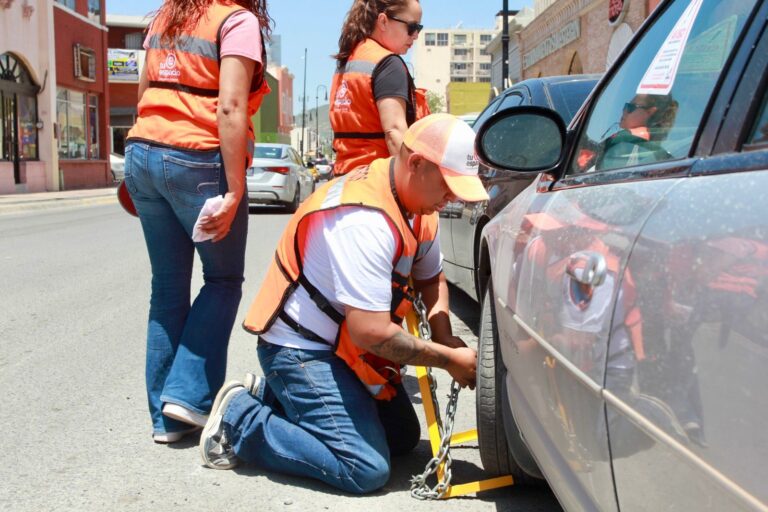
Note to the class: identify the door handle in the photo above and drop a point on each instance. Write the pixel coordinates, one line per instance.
(587, 267)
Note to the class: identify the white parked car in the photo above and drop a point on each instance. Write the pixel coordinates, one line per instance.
(278, 176)
(117, 166)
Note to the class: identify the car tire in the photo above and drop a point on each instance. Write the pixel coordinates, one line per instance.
(294, 205)
(494, 450)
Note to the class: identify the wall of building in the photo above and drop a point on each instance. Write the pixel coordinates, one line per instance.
(27, 35)
(550, 36)
(73, 28)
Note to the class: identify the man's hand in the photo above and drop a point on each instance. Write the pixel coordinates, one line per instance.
(463, 366)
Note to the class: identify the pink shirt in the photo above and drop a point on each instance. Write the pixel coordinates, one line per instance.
(240, 35)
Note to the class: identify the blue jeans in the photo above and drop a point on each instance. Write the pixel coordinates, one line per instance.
(314, 418)
(186, 344)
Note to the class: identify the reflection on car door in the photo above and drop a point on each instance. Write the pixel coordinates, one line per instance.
(571, 249)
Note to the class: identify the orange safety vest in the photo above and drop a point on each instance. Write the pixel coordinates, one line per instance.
(178, 109)
(369, 187)
(358, 138)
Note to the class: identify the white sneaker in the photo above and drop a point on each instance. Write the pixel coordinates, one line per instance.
(172, 437)
(251, 382)
(181, 413)
(215, 445)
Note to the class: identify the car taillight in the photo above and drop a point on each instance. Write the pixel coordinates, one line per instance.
(279, 170)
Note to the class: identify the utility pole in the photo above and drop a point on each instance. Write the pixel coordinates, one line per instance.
(317, 115)
(504, 45)
(304, 106)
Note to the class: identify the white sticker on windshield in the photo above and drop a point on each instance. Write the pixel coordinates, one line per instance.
(660, 76)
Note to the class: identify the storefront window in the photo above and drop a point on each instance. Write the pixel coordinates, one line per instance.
(70, 114)
(27, 128)
(93, 126)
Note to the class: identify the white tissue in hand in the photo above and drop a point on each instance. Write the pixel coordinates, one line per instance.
(210, 207)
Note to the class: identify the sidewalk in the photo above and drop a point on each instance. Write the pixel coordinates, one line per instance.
(14, 203)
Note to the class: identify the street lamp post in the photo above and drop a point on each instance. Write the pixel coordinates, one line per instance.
(317, 116)
(304, 107)
(505, 46)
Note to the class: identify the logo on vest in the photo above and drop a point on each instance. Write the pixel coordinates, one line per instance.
(168, 71)
(472, 161)
(342, 101)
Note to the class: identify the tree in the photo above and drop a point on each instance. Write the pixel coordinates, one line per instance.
(435, 102)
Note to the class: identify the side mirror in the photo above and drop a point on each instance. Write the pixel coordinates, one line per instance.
(524, 139)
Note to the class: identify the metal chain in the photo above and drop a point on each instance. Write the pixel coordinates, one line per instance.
(419, 487)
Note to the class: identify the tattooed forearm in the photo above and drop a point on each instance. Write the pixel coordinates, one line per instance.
(406, 349)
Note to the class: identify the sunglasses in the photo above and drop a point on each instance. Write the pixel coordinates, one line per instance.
(412, 26)
(630, 107)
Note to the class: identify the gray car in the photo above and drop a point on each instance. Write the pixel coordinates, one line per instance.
(277, 176)
(624, 338)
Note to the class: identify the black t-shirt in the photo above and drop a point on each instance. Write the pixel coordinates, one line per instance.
(391, 80)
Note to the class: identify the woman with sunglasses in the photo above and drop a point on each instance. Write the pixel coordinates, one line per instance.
(373, 98)
(644, 123)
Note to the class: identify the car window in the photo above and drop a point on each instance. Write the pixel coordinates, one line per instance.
(269, 152)
(511, 100)
(485, 114)
(651, 108)
(760, 130)
(567, 97)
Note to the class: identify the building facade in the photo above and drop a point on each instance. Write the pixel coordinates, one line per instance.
(28, 159)
(82, 94)
(578, 36)
(125, 60)
(442, 56)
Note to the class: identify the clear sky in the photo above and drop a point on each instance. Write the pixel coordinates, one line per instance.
(316, 24)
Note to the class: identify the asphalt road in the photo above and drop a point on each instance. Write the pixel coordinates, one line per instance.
(75, 431)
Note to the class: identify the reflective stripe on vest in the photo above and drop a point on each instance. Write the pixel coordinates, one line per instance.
(179, 108)
(367, 187)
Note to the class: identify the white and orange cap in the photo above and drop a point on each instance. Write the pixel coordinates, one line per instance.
(449, 143)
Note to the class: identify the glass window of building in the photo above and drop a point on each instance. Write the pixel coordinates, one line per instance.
(18, 113)
(94, 10)
(93, 126)
(70, 115)
(67, 3)
(485, 38)
(442, 39)
(459, 38)
(429, 39)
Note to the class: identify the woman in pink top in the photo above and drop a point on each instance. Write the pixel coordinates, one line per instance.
(202, 81)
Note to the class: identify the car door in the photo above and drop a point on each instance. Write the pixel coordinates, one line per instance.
(464, 222)
(687, 402)
(452, 209)
(567, 292)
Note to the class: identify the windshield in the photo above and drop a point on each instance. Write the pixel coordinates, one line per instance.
(269, 152)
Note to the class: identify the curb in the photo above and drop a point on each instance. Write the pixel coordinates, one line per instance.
(50, 204)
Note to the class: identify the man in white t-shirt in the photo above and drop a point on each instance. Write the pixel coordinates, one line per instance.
(311, 415)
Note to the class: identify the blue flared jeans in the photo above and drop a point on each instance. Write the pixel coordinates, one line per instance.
(186, 341)
(313, 417)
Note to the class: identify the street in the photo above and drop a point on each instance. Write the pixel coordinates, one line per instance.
(76, 433)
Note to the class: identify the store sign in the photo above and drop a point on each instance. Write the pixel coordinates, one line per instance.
(570, 32)
(123, 65)
(617, 9)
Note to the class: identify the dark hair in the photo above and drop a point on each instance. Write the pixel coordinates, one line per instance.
(184, 15)
(360, 22)
(662, 120)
